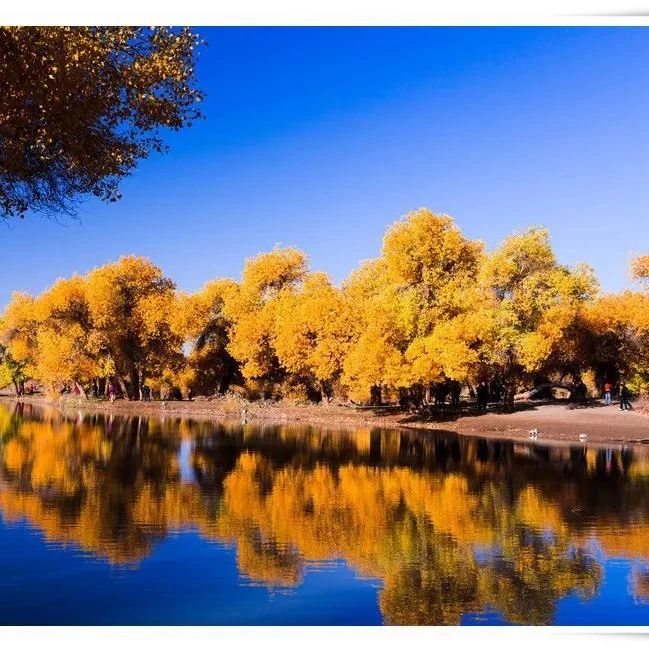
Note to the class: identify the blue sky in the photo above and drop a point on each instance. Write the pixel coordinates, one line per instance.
(320, 138)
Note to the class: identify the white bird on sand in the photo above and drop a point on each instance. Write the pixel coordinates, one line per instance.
(534, 433)
(583, 437)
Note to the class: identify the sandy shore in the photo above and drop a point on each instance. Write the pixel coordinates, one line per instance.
(555, 422)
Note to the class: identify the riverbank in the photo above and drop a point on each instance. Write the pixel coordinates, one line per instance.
(556, 422)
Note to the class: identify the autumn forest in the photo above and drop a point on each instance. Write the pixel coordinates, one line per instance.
(435, 306)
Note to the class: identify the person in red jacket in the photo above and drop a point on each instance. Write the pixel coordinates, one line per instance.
(607, 393)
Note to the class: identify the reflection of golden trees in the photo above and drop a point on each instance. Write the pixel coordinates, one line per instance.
(397, 525)
(111, 490)
(641, 583)
(438, 582)
(450, 526)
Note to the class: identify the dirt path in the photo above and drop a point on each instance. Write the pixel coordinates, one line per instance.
(560, 422)
(555, 422)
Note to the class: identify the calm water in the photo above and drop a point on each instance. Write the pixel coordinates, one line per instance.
(146, 521)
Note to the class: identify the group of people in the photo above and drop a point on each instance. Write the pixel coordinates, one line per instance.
(486, 392)
(625, 395)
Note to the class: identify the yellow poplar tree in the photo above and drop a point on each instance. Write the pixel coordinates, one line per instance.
(536, 305)
(430, 261)
(64, 337)
(131, 305)
(251, 308)
(313, 330)
(201, 321)
(640, 268)
(415, 299)
(18, 331)
(620, 323)
(384, 323)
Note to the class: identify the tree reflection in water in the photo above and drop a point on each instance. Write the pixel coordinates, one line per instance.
(449, 525)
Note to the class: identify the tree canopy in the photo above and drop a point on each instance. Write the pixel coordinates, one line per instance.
(434, 308)
(80, 106)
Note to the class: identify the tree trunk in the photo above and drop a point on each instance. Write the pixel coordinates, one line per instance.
(81, 389)
(416, 395)
(134, 378)
(122, 386)
(324, 393)
(510, 392)
(510, 385)
(375, 396)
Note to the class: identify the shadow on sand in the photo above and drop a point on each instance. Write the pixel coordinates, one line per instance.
(448, 413)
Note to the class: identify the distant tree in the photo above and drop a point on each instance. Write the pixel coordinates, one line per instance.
(19, 331)
(79, 106)
(12, 372)
(313, 331)
(640, 269)
(115, 322)
(131, 306)
(383, 327)
(252, 309)
(537, 306)
(620, 324)
(412, 305)
(200, 320)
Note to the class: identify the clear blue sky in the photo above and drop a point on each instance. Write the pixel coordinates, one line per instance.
(320, 138)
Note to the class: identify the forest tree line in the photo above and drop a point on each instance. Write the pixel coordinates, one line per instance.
(434, 307)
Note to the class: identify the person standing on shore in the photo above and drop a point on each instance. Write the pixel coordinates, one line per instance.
(111, 392)
(625, 395)
(483, 396)
(607, 393)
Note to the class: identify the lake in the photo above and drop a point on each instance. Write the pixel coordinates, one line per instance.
(132, 520)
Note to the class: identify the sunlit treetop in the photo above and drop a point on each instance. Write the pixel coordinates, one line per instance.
(640, 269)
(521, 256)
(429, 248)
(274, 270)
(79, 106)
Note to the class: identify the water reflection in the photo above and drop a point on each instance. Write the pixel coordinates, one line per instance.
(450, 526)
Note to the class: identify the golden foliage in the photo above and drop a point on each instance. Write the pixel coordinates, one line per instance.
(82, 105)
(113, 321)
(434, 307)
